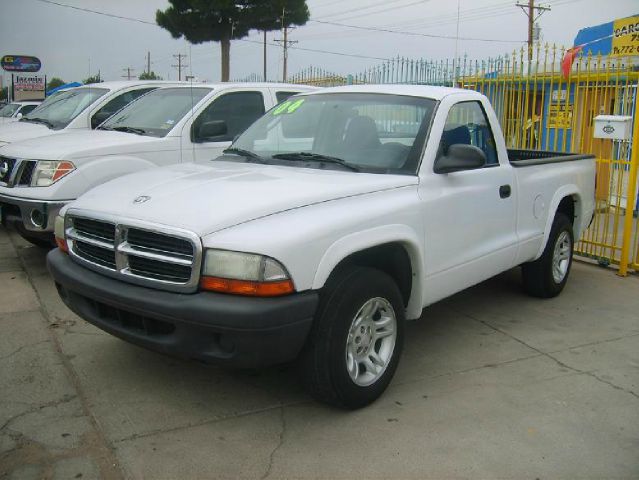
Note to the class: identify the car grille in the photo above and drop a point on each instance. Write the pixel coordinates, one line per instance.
(140, 255)
(16, 172)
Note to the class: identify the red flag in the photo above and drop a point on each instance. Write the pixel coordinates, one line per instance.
(569, 58)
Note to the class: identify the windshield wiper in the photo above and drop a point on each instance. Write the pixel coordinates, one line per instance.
(246, 154)
(38, 120)
(137, 131)
(316, 157)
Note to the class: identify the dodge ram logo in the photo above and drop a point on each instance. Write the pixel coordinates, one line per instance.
(4, 169)
(142, 199)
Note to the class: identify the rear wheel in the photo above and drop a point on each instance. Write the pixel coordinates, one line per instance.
(357, 338)
(547, 276)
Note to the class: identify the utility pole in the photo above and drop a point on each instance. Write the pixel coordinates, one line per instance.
(180, 65)
(129, 73)
(285, 44)
(148, 62)
(264, 77)
(530, 11)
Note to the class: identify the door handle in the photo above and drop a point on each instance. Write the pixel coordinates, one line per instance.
(504, 191)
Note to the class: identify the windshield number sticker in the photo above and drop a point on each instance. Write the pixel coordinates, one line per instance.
(288, 107)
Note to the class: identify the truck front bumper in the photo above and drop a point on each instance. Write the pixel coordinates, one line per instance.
(29, 215)
(215, 328)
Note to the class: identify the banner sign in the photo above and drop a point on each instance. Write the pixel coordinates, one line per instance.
(625, 39)
(28, 87)
(20, 63)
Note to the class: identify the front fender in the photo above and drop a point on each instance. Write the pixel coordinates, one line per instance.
(103, 169)
(362, 240)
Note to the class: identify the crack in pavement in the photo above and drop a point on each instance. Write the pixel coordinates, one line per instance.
(4, 357)
(210, 421)
(37, 408)
(548, 355)
(271, 457)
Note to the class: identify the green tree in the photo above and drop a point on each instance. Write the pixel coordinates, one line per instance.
(149, 76)
(221, 21)
(55, 82)
(93, 79)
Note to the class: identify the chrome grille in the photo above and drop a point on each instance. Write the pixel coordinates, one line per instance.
(7, 166)
(147, 255)
(15, 172)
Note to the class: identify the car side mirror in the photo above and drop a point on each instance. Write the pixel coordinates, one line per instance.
(98, 118)
(460, 157)
(212, 131)
(19, 116)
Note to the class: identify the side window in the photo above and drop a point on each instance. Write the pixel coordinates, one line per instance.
(281, 96)
(27, 108)
(116, 104)
(467, 124)
(227, 117)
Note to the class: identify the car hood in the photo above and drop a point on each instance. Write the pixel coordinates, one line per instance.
(207, 198)
(18, 131)
(82, 144)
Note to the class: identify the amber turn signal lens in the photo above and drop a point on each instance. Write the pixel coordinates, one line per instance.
(62, 245)
(245, 287)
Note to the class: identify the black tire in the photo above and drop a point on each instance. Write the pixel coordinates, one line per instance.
(538, 277)
(323, 363)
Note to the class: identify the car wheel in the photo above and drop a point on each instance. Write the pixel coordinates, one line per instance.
(547, 276)
(357, 338)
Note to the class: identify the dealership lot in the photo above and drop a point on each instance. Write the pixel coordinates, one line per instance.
(492, 384)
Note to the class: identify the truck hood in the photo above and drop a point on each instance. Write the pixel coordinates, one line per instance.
(18, 131)
(80, 144)
(207, 198)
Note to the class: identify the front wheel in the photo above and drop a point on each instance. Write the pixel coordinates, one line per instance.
(547, 276)
(357, 338)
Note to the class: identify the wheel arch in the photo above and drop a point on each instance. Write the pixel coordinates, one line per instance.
(393, 249)
(567, 200)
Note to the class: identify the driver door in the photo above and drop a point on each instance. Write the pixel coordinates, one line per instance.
(236, 110)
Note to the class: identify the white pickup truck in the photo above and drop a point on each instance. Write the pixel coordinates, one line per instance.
(181, 123)
(333, 219)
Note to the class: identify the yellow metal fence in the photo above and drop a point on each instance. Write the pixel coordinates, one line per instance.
(541, 108)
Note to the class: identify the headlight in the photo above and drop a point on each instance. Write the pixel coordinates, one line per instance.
(47, 172)
(244, 274)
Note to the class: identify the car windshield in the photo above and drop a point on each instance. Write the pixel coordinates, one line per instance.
(157, 112)
(364, 132)
(58, 111)
(9, 110)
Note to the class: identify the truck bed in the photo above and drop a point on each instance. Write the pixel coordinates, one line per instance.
(526, 158)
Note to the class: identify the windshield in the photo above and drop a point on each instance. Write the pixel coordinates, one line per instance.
(9, 110)
(157, 112)
(368, 132)
(58, 111)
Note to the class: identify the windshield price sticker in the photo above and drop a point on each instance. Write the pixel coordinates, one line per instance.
(288, 107)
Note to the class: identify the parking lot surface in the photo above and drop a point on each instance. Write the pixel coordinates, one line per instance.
(492, 384)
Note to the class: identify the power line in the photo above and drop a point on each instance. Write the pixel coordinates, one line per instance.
(415, 34)
(383, 2)
(88, 10)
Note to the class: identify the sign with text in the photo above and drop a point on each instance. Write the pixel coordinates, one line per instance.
(20, 63)
(28, 87)
(625, 37)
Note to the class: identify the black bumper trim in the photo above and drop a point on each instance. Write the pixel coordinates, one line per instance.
(215, 328)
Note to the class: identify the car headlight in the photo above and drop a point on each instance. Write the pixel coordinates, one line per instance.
(47, 172)
(244, 274)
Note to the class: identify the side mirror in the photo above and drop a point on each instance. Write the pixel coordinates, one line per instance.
(19, 116)
(460, 157)
(213, 131)
(98, 118)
